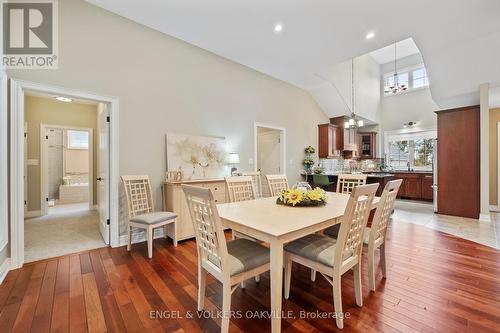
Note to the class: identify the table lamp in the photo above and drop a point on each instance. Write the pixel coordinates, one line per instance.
(233, 158)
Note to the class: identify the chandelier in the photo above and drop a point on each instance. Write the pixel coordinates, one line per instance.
(396, 87)
(351, 121)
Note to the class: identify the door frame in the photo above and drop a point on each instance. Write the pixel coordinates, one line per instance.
(282, 130)
(497, 207)
(44, 168)
(17, 92)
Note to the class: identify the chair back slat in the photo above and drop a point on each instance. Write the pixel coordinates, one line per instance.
(210, 239)
(382, 216)
(240, 188)
(138, 193)
(256, 182)
(347, 182)
(350, 239)
(276, 184)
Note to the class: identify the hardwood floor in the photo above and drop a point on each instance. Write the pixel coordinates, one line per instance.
(436, 283)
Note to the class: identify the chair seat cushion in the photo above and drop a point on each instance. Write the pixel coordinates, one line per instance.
(244, 255)
(333, 232)
(316, 247)
(153, 217)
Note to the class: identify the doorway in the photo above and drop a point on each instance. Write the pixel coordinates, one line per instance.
(269, 152)
(66, 160)
(85, 151)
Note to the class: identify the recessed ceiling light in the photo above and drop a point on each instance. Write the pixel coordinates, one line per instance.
(64, 99)
(278, 27)
(370, 35)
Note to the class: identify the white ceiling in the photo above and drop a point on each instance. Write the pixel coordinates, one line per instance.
(458, 39)
(405, 48)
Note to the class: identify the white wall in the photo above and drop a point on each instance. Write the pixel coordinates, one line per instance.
(166, 85)
(334, 96)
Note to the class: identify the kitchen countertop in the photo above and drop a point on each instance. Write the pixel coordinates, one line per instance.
(369, 175)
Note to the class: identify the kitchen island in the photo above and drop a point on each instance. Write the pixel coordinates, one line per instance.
(372, 177)
(417, 185)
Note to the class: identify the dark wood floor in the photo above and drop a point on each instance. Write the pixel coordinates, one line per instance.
(436, 283)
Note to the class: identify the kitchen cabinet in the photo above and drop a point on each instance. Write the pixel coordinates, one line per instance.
(459, 159)
(347, 136)
(367, 143)
(427, 189)
(328, 141)
(415, 186)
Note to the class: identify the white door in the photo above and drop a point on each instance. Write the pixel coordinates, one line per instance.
(103, 170)
(268, 156)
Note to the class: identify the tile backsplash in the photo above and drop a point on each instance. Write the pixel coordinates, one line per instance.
(345, 165)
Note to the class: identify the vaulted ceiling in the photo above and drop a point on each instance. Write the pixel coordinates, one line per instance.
(459, 39)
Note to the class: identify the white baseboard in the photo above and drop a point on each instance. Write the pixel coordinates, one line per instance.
(32, 213)
(4, 269)
(494, 208)
(484, 218)
(139, 235)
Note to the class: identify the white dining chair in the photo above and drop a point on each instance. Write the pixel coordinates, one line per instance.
(333, 257)
(375, 236)
(229, 262)
(347, 182)
(276, 184)
(141, 212)
(241, 188)
(256, 181)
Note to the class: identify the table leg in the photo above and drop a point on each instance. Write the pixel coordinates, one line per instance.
(276, 285)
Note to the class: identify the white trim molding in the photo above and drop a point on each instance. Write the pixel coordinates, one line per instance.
(4, 269)
(282, 130)
(139, 236)
(17, 91)
(4, 194)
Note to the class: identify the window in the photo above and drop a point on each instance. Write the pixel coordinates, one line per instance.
(420, 78)
(78, 139)
(416, 154)
(412, 78)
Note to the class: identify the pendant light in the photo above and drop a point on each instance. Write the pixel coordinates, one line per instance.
(352, 122)
(396, 87)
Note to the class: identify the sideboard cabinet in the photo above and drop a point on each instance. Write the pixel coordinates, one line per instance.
(175, 201)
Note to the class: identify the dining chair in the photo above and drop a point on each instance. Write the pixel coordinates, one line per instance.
(375, 236)
(333, 257)
(345, 185)
(256, 181)
(276, 184)
(241, 188)
(347, 182)
(229, 262)
(141, 212)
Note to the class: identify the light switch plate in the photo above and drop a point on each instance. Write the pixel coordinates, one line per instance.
(250, 161)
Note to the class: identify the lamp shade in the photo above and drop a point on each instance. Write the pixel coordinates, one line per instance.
(233, 158)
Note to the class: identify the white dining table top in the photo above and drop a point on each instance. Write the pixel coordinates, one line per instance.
(276, 220)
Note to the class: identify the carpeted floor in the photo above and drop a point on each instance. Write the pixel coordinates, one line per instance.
(61, 233)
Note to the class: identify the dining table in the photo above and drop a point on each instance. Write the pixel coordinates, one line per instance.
(265, 220)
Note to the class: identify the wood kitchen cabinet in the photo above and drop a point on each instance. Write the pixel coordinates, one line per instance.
(347, 137)
(415, 186)
(459, 159)
(328, 141)
(427, 189)
(367, 143)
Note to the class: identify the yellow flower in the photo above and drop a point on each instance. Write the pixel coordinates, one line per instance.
(294, 196)
(317, 194)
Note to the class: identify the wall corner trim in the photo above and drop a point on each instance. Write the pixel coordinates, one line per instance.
(4, 269)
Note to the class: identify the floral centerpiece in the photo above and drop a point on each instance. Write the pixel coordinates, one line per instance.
(299, 197)
(308, 160)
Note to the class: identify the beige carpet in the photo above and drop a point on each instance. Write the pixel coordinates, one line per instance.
(61, 233)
